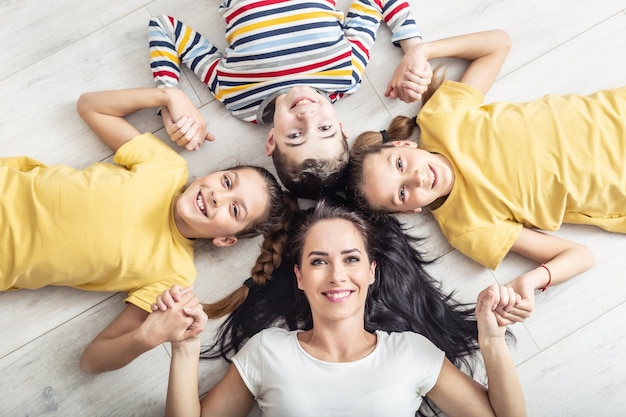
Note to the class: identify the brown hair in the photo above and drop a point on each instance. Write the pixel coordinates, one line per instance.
(272, 251)
(370, 143)
(311, 178)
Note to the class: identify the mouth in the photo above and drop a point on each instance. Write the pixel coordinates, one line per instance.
(337, 295)
(433, 177)
(201, 204)
(301, 101)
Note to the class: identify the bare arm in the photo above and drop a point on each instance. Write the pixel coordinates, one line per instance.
(134, 332)
(563, 258)
(459, 395)
(486, 52)
(104, 112)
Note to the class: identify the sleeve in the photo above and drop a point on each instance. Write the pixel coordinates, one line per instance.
(428, 360)
(363, 20)
(487, 245)
(146, 148)
(249, 363)
(143, 297)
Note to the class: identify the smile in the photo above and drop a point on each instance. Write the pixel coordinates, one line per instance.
(200, 204)
(301, 101)
(337, 296)
(433, 177)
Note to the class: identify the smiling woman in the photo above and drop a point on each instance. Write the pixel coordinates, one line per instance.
(67, 227)
(356, 310)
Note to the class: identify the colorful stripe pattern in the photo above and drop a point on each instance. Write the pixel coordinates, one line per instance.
(275, 44)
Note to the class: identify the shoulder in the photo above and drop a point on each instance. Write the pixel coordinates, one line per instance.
(146, 147)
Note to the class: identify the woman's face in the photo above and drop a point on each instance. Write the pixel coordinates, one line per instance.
(221, 205)
(335, 272)
(404, 178)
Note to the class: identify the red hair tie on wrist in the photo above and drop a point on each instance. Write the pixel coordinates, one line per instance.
(545, 287)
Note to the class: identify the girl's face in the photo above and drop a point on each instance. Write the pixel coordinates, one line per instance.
(403, 178)
(221, 205)
(305, 126)
(335, 272)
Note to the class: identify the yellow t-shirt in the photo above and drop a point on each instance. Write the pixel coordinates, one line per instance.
(558, 159)
(104, 228)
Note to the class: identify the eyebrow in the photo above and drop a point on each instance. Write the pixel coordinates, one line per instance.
(242, 205)
(321, 253)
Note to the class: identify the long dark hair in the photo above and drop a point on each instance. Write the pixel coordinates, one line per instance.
(404, 297)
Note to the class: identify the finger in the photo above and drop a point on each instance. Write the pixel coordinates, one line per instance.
(210, 137)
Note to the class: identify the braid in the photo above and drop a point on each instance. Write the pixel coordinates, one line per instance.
(272, 250)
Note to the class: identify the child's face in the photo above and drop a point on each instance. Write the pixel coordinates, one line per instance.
(221, 205)
(403, 178)
(305, 126)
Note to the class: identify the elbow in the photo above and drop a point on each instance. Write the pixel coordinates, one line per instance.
(587, 259)
(503, 39)
(87, 364)
(82, 105)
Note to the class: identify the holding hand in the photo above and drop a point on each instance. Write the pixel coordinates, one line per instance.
(183, 121)
(181, 319)
(493, 310)
(413, 75)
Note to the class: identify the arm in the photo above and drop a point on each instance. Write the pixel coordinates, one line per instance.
(228, 398)
(104, 112)
(486, 52)
(459, 395)
(563, 258)
(134, 332)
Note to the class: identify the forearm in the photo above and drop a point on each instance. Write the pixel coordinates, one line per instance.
(123, 102)
(107, 354)
(504, 388)
(471, 46)
(182, 391)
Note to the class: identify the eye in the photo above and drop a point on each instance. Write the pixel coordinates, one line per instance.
(294, 135)
(325, 128)
(353, 259)
(235, 210)
(400, 164)
(402, 194)
(317, 261)
(227, 183)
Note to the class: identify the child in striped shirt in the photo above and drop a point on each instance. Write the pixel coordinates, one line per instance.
(286, 63)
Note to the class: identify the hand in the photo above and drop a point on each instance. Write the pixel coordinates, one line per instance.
(183, 122)
(491, 310)
(169, 298)
(526, 289)
(412, 76)
(183, 321)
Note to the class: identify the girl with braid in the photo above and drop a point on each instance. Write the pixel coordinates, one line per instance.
(350, 300)
(125, 226)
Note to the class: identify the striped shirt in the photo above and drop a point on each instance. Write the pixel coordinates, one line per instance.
(277, 44)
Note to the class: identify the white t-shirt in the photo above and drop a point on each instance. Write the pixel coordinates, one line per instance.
(287, 381)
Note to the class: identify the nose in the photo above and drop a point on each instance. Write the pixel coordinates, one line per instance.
(305, 113)
(215, 198)
(419, 178)
(339, 274)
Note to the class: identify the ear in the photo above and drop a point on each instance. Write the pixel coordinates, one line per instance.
(270, 145)
(415, 210)
(222, 242)
(404, 143)
(343, 131)
(296, 270)
(372, 272)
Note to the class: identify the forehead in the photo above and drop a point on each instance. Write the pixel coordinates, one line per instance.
(331, 233)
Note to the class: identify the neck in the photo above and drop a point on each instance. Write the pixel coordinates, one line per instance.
(338, 342)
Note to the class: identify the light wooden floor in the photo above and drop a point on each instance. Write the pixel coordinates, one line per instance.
(571, 354)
